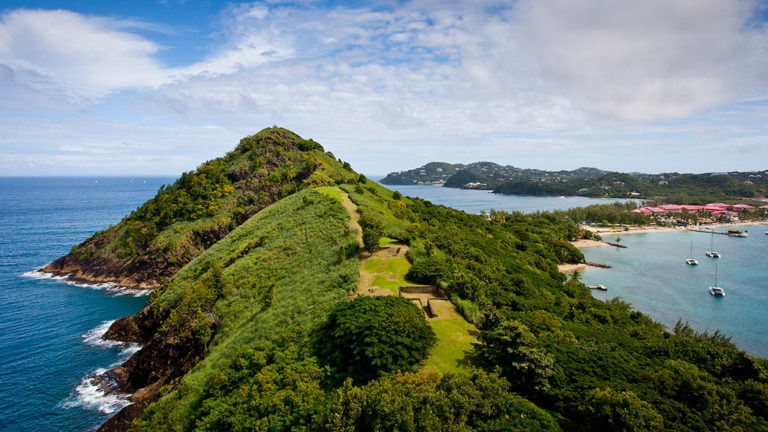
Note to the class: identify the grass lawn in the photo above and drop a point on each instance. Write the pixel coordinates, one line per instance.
(331, 191)
(387, 272)
(453, 349)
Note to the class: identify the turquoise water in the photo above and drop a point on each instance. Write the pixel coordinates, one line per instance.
(475, 201)
(652, 276)
(49, 329)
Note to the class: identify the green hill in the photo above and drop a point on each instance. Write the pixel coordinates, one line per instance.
(481, 175)
(200, 208)
(237, 339)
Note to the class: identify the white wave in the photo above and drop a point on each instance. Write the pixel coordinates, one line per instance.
(110, 287)
(95, 338)
(97, 392)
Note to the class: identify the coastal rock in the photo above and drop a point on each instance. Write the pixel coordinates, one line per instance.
(121, 421)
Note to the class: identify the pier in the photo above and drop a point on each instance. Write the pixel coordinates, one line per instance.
(708, 231)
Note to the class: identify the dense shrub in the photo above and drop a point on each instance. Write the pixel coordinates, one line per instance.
(370, 336)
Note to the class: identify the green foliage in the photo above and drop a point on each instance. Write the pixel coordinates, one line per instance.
(396, 195)
(426, 402)
(677, 188)
(272, 299)
(282, 390)
(469, 310)
(609, 410)
(512, 346)
(274, 291)
(371, 336)
(373, 230)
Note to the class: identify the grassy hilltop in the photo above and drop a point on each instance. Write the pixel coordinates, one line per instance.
(200, 208)
(245, 336)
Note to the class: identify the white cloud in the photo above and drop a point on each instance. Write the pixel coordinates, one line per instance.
(651, 59)
(445, 75)
(85, 56)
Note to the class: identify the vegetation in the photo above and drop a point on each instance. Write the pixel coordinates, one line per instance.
(429, 402)
(371, 336)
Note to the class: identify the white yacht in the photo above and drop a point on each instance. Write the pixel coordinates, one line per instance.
(716, 290)
(712, 253)
(691, 260)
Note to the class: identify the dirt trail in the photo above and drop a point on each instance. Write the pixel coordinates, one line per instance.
(354, 216)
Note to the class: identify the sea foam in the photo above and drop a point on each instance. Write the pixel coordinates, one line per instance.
(110, 287)
(95, 338)
(97, 392)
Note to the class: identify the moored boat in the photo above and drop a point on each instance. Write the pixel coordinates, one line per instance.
(737, 233)
(712, 253)
(691, 260)
(715, 290)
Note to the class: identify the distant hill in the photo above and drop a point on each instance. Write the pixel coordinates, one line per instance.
(482, 175)
(590, 182)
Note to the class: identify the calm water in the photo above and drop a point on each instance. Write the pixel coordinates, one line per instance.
(475, 201)
(49, 329)
(651, 275)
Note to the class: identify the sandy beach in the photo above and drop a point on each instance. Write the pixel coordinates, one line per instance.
(583, 243)
(651, 228)
(571, 268)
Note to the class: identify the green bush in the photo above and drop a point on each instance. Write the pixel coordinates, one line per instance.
(371, 336)
(372, 232)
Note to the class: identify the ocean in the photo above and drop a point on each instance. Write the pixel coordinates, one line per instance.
(49, 329)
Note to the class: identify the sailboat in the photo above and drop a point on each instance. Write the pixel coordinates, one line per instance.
(716, 290)
(691, 260)
(712, 253)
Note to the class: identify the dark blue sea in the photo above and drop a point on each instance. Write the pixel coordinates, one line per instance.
(49, 329)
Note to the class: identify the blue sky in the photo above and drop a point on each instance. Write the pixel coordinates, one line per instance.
(157, 87)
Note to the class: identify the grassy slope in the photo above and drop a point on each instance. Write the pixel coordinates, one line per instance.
(297, 262)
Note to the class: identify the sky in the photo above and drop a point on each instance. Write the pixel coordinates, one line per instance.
(158, 87)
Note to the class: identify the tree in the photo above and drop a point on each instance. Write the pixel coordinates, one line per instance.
(611, 410)
(512, 347)
(372, 232)
(370, 336)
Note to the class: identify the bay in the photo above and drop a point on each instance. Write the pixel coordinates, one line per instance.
(476, 201)
(651, 275)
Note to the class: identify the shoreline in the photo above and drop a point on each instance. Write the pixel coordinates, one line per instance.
(569, 268)
(651, 228)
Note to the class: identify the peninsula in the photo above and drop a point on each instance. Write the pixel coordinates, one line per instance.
(589, 182)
